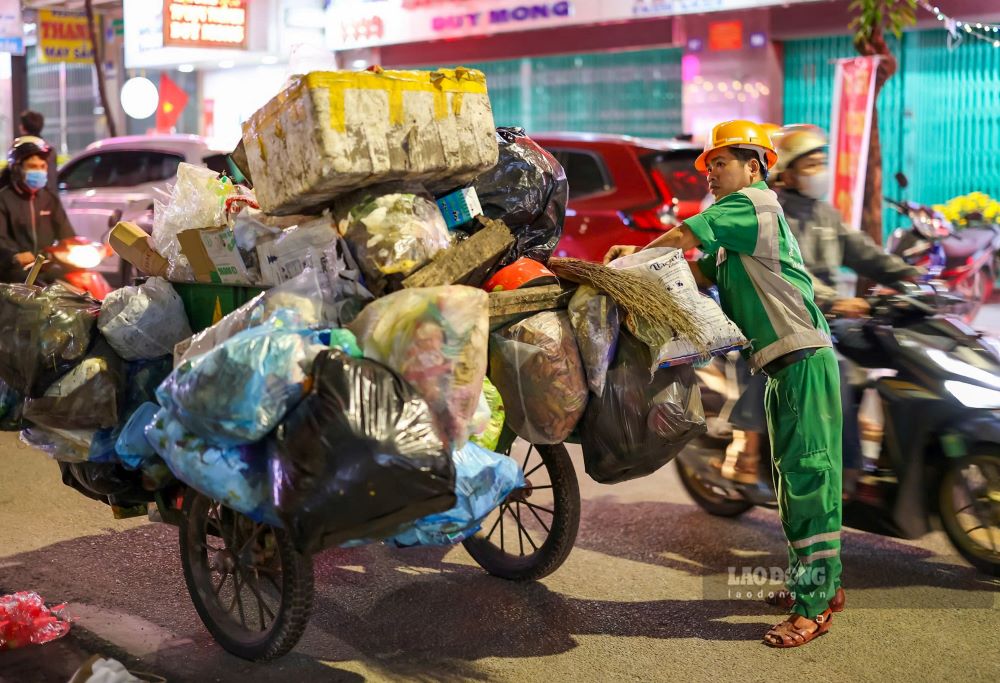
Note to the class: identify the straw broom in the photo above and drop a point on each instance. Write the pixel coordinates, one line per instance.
(651, 313)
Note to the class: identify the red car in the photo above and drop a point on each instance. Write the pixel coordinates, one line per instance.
(623, 190)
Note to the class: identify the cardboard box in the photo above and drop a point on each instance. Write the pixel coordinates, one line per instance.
(132, 243)
(330, 132)
(213, 256)
(460, 207)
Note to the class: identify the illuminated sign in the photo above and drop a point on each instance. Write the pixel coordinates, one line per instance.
(64, 37)
(205, 23)
(725, 35)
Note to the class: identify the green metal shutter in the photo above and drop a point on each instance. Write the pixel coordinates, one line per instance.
(939, 116)
(633, 93)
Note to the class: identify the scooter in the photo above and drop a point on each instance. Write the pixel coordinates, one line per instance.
(965, 259)
(72, 261)
(930, 430)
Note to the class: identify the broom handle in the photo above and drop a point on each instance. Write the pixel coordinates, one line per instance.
(35, 267)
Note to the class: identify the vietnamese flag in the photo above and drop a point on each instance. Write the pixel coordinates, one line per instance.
(172, 102)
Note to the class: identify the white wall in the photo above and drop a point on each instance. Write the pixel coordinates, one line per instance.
(237, 93)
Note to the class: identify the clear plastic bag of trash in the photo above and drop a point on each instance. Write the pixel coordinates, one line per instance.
(240, 390)
(528, 191)
(596, 322)
(489, 419)
(393, 230)
(536, 366)
(46, 331)
(236, 476)
(436, 338)
(358, 457)
(145, 321)
(483, 479)
(64, 445)
(86, 397)
(641, 421)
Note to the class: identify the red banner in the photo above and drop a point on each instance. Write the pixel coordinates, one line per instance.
(850, 132)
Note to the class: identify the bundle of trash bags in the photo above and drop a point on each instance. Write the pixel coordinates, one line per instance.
(344, 403)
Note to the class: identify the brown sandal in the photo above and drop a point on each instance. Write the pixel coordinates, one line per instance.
(784, 600)
(785, 635)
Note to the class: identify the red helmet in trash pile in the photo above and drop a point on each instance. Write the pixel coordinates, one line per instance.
(524, 272)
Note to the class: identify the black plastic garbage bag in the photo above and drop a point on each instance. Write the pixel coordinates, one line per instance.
(106, 482)
(527, 190)
(358, 457)
(45, 332)
(639, 423)
(86, 397)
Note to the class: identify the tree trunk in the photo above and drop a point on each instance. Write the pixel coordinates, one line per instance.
(871, 211)
(99, 70)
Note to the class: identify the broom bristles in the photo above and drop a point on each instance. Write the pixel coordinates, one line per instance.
(651, 313)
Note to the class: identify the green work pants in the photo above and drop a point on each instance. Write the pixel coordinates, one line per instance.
(805, 423)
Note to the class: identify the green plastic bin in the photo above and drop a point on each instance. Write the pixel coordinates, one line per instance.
(206, 303)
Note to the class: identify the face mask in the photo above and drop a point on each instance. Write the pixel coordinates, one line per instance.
(816, 185)
(36, 180)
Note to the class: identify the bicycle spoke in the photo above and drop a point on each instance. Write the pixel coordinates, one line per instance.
(222, 582)
(527, 457)
(539, 507)
(260, 601)
(539, 488)
(494, 527)
(502, 508)
(534, 469)
(532, 511)
(517, 518)
(239, 601)
(521, 528)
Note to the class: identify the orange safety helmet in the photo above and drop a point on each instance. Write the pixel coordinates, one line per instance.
(523, 272)
(739, 133)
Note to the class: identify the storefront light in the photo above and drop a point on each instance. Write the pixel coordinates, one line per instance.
(186, 68)
(227, 64)
(139, 98)
(737, 86)
(359, 64)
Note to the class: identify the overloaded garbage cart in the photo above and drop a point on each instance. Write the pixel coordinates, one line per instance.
(372, 344)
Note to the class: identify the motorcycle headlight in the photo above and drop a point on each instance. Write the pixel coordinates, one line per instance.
(963, 369)
(973, 395)
(84, 256)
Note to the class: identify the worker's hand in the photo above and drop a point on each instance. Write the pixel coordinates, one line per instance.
(851, 308)
(618, 251)
(24, 258)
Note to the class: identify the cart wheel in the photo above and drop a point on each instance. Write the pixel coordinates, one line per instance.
(530, 535)
(252, 590)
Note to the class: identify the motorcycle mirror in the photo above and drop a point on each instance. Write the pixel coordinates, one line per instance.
(902, 180)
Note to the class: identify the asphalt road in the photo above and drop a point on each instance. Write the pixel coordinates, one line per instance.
(643, 596)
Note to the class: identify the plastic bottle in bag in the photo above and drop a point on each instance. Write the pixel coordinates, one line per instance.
(145, 321)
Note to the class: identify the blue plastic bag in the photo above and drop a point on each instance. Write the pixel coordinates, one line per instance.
(483, 479)
(239, 391)
(236, 476)
(132, 447)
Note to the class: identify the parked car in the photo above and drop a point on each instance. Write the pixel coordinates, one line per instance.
(118, 178)
(622, 189)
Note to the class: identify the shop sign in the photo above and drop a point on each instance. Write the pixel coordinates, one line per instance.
(205, 23)
(850, 132)
(370, 23)
(64, 37)
(11, 27)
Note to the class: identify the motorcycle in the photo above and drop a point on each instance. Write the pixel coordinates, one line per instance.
(930, 429)
(965, 259)
(72, 261)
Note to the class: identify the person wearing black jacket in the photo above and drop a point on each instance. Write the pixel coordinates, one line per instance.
(31, 215)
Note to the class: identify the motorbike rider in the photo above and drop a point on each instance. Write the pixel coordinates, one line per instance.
(31, 216)
(801, 180)
(763, 286)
